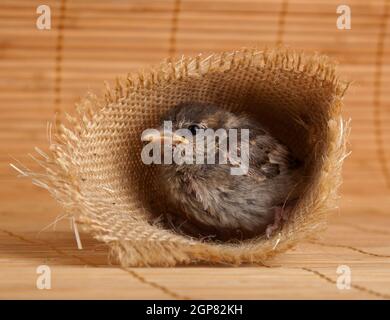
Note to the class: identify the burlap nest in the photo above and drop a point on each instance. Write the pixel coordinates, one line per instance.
(95, 171)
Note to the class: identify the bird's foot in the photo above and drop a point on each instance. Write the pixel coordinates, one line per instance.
(281, 216)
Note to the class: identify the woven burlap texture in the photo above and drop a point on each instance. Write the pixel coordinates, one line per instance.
(94, 169)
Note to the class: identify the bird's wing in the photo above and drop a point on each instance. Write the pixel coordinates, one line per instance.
(267, 157)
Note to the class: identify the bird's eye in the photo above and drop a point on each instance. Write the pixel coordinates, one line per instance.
(193, 128)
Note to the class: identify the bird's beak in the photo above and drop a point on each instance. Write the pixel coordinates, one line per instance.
(160, 136)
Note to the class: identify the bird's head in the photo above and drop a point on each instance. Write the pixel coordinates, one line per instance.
(187, 122)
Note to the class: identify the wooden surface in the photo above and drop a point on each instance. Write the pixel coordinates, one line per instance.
(45, 72)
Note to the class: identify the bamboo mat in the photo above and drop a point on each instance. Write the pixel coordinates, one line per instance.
(43, 73)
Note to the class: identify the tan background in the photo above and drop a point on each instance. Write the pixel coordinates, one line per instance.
(46, 72)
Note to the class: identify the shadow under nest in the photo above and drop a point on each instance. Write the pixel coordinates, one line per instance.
(96, 173)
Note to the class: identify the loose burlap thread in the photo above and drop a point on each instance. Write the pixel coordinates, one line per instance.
(94, 169)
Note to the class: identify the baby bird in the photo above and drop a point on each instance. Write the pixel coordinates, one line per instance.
(207, 200)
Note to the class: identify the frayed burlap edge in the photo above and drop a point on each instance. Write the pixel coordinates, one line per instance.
(164, 247)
